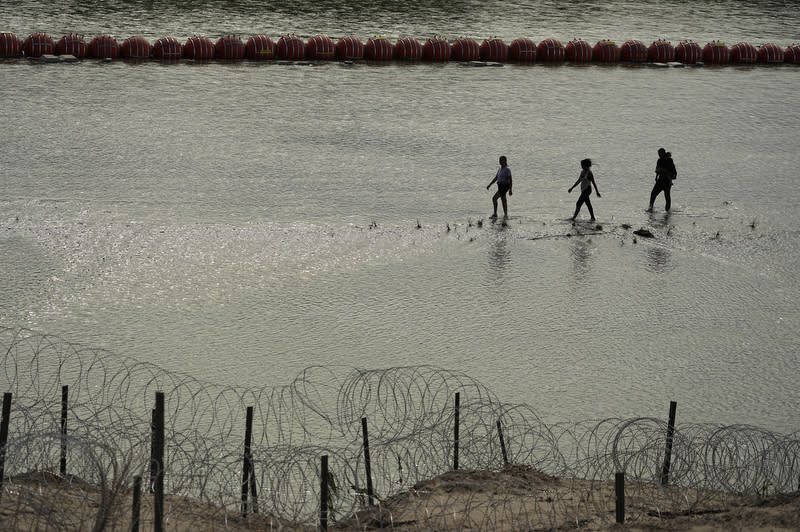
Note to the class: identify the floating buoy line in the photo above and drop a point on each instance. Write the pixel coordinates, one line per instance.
(291, 48)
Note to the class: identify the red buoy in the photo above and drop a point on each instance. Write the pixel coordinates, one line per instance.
(792, 54)
(72, 44)
(229, 47)
(522, 50)
(633, 51)
(437, 49)
(661, 52)
(291, 47)
(10, 45)
(260, 47)
(578, 51)
(136, 47)
(770, 53)
(198, 47)
(408, 48)
(168, 49)
(688, 52)
(744, 53)
(349, 48)
(104, 47)
(466, 49)
(716, 53)
(321, 47)
(38, 44)
(606, 52)
(551, 51)
(378, 49)
(494, 49)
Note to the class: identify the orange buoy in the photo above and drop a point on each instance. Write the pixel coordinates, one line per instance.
(792, 54)
(321, 47)
(633, 51)
(291, 47)
(716, 53)
(551, 51)
(437, 49)
(38, 44)
(661, 52)
(688, 52)
(104, 47)
(378, 49)
(494, 49)
(522, 50)
(10, 45)
(168, 49)
(349, 48)
(466, 49)
(72, 44)
(744, 53)
(198, 47)
(408, 48)
(260, 47)
(770, 53)
(606, 52)
(229, 47)
(136, 47)
(578, 51)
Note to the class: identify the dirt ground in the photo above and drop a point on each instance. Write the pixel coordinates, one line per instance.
(516, 499)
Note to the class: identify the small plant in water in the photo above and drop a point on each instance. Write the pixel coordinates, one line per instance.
(753, 224)
(480, 223)
(418, 225)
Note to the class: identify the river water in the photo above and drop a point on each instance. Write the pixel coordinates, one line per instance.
(240, 222)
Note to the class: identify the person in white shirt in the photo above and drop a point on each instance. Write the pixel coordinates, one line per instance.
(503, 180)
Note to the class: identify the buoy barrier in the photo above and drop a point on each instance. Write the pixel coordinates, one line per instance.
(229, 47)
(349, 48)
(606, 52)
(743, 53)
(38, 44)
(72, 44)
(168, 49)
(321, 48)
(408, 49)
(633, 51)
(716, 53)
(466, 49)
(198, 47)
(378, 49)
(522, 50)
(578, 51)
(661, 51)
(438, 49)
(104, 47)
(10, 45)
(136, 47)
(770, 53)
(291, 47)
(551, 51)
(495, 50)
(688, 52)
(260, 47)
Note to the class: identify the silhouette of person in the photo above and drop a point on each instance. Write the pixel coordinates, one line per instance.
(586, 181)
(665, 175)
(503, 180)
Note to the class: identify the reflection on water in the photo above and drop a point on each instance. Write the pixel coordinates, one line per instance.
(581, 251)
(658, 259)
(499, 254)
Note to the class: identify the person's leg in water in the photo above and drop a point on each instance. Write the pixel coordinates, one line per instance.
(667, 197)
(494, 203)
(589, 206)
(657, 188)
(583, 198)
(505, 205)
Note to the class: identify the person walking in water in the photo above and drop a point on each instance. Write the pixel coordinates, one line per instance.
(503, 180)
(665, 175)
(586, 181)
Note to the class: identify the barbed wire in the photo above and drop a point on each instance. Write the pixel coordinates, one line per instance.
(411, 417)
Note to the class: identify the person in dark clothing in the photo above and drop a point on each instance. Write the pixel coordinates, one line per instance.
(586, 181)
(665, 175)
